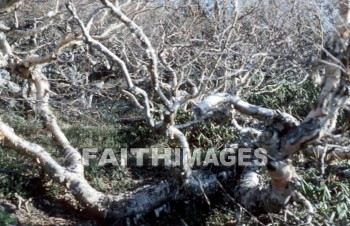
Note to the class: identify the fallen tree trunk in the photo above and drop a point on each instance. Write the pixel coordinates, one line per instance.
(109, 207)
(282, 136)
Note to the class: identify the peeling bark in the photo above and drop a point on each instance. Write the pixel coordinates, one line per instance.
(108, 207)
(282, 136)
(71, 155)
(264, 114)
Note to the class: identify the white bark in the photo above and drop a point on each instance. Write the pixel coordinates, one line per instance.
(283, 136)
(104, 206)
(270, 116)
(71, 155)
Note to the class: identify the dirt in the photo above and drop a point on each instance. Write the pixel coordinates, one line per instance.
(38, 212)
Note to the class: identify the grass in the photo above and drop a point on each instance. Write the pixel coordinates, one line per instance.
(328, 193)
(7, 219)
(294, 98)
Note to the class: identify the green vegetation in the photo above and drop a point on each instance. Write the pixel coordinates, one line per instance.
(293, 98)
(329, 194)
(6, 219)
(267, 57)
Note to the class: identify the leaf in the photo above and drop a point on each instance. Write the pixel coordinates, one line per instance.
(332, 217)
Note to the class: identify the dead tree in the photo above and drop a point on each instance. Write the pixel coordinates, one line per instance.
(210, 71)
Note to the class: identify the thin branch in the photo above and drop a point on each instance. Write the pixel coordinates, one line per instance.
(152, 56)
(103, 49)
